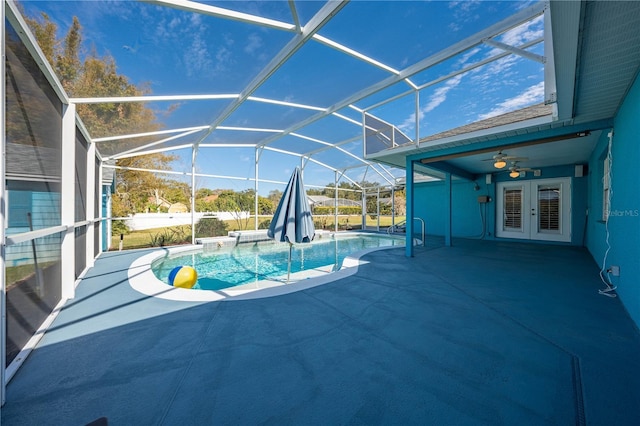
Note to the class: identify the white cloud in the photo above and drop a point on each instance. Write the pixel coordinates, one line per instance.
(530, 96)
(196, 56)
(436, 99)
(521, 34)
(464, 59)
(524, 33)
(254, 43)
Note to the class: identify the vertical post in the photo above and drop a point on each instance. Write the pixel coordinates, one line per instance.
(417, 118)
(393, 206)
(335, 201)
(194, 154)
(364, 208)
(364, 134)
(105, 231)
(3, 207)
(409, 219)
(448, 210)
(255, 186)
(67, 200)
(378, 209)
(91, 203)
(550, 90)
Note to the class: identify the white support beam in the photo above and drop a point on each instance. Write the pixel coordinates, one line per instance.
(550, 89)
(417, 118)
(219, 12)
(353, 53)
(150, 98)
(284, 103)
(294, 15)
(3, 211)
(255, 184)
(153, 151)
(227, 145)
(345, 118)
(139, 169)
(511, 22)
(336, 147)
(453, 74)
(330, 146)
(335, 201)
(323, 16)
(249, 129)
(145, 134)
(90, 204)
(514, 50)
(126, 153)
(281, 151)
(105, 225)
(194, 155)
(67, 200)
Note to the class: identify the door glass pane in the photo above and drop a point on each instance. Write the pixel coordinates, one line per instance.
(512, 219)
(549, 208)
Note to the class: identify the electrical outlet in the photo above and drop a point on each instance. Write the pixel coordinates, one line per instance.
(615, 271)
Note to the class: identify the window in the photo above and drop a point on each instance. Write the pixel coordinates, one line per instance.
(512, 209)
(548, 208)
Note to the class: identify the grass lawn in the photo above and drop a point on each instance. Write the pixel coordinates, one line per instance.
(182, 234)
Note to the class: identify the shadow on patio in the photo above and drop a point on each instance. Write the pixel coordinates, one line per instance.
(479, 333)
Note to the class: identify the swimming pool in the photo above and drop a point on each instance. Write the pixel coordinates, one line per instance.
(220, 269)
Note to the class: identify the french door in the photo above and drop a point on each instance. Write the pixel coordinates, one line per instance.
(534, 209)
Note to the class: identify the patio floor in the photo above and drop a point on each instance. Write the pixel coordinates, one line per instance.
(479, 333)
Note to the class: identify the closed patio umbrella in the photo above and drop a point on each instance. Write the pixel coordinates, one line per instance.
(292, 221)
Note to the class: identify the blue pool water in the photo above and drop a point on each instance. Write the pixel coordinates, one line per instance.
(247, 263)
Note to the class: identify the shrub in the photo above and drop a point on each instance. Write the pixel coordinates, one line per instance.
(118, 227)
(210, 227)
(264, 224)
(342, 210)
(169, 236)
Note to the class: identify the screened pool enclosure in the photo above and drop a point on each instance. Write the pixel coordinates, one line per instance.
(258, 110)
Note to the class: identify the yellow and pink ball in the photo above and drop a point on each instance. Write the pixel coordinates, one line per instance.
(183, 276)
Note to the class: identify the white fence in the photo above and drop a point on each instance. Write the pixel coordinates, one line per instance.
(141, 221)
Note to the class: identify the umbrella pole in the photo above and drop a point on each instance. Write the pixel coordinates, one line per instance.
(289, 264)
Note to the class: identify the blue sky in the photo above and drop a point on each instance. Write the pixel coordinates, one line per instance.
(176, 52)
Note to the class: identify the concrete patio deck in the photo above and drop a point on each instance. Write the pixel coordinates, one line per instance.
(479, 333)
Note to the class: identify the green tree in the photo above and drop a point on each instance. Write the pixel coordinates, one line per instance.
(67, 64)
(95, 76)
(178, 192)
(265, 206)
(45, 32)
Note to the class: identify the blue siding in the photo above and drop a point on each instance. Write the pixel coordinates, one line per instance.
(468, 214)
(624, 222)
(45, 211)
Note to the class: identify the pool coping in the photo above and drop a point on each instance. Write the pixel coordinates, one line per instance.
(143, 280)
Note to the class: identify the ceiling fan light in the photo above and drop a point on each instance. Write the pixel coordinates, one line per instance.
(499, 164)
(514, 174)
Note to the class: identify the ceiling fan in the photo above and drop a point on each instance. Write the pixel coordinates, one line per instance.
(500, 159)
(515, 171)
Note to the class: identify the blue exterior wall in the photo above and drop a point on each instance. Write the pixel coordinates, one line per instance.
(624, 220)
(468, 214)
(45, 211)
